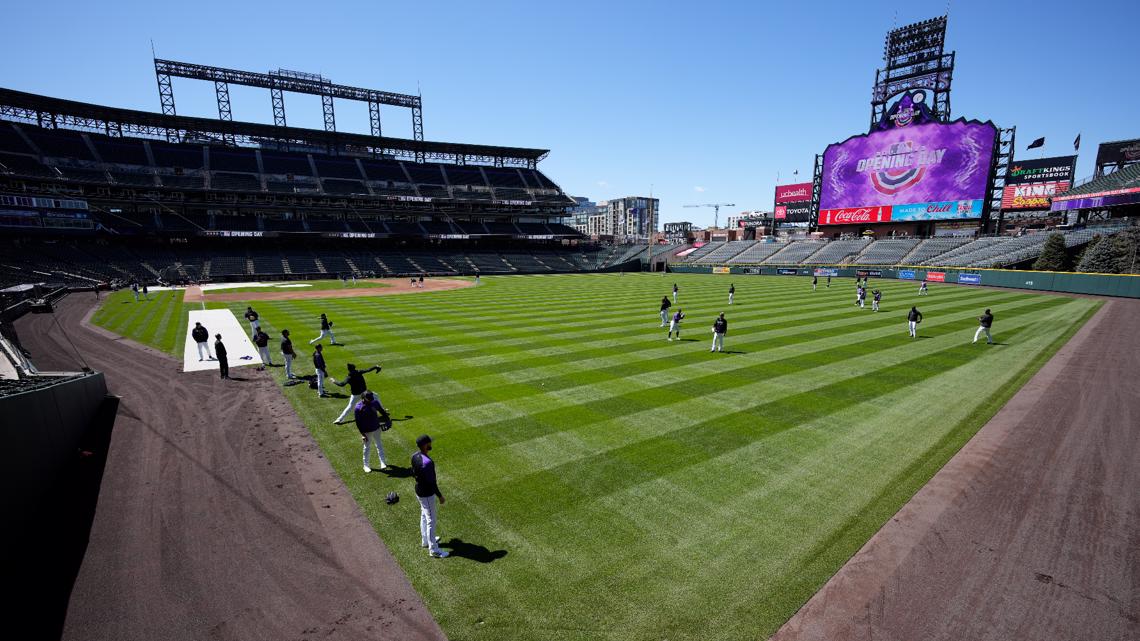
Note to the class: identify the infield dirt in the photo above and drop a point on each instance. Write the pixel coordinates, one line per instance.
(393, 286)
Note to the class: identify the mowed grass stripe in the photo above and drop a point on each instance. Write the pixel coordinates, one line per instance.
(716, 487)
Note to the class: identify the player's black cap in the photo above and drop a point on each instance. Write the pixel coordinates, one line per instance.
(422, 440)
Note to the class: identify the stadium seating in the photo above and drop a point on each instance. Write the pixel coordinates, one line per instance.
(886, 252)
(837, 251)
(756, 253)
(700, 252)
(795, 253)
(725, 252)
(931, 247)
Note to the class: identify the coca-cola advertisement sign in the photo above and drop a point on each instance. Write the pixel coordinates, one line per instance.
(793, 193)
(854, 216)
(919, 164)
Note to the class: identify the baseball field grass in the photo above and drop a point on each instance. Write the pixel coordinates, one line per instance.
(604, 483)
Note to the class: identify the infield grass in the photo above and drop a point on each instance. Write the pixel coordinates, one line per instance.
(604, 483)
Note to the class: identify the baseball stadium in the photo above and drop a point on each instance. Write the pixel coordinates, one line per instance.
(899, 404)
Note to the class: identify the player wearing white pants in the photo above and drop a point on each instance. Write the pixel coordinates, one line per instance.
(326, 330)
(427, 490)
(201, 337)
(731, 293)
(368, 413)
(204, 346)
(720, 328)
(319, 367)
(357, 385)
(675, 324)
(665, 305)
(913, 317)
(986, 321)
(288, 353)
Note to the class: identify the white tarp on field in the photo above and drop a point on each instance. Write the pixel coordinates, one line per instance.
(216, 286)
(239, 348)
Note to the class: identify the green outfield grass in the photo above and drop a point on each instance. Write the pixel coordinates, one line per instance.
(604, 483)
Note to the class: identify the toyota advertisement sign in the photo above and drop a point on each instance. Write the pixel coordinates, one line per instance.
(931, 171)
(793, 203)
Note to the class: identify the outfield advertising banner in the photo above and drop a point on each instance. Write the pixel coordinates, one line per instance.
(722, 270)
(969, 279)
(906, 274)
(936, 277)
(799, 192)
(869, 273)
(931, 171)
(827, 271)
(794, 212)
(786, 272)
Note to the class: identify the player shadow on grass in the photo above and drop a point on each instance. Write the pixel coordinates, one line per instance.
(473, 551)
(397, 472)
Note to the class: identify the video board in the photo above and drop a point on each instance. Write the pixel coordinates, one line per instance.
(926, 171)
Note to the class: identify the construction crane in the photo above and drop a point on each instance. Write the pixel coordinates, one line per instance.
(716, 210)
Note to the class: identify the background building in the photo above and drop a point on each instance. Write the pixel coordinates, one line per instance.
(627, 220)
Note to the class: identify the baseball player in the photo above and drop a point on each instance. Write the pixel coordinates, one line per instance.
(356, 385)
(719, 328)
(370, 414)
(986, 321)
(223, 361)
(675, 325)
(145, 293)
(421, 281)
(252, 317)
(814, 282)
(665, 305)
(326, 330)
(288, 353)
(731, 292)
(914, 317)
(674, 292)
(922, 288)
(201, 336)
(829, 281)
(876, 296)
(135, 291)
(261, 339)
(427, 490)
(322, 373)
(860, 296)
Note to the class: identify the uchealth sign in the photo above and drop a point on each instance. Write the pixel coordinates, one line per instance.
(936, 277)
(827, 271)
(798, 192)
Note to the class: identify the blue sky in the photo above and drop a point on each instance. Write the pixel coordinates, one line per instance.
(703, 102)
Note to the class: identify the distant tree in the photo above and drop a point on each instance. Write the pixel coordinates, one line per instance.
(1115, 254)
(1083, 250)
(1054, 257)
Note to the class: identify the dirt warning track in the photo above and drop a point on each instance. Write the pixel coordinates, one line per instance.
(1032, 531)
(218, 516)
(394, 286)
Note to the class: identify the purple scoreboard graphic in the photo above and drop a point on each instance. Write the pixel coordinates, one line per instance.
(926, 171)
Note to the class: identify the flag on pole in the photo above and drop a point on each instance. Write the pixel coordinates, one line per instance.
(1040, 142)
(1077, 143)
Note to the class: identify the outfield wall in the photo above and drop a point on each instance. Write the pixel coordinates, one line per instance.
(1124, 285)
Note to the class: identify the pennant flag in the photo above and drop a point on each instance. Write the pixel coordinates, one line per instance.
(1040, 142)
(1077, 143)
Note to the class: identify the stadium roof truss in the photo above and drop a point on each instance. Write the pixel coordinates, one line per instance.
(56, 113)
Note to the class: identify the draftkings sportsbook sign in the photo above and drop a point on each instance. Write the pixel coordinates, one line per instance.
(1031, 184)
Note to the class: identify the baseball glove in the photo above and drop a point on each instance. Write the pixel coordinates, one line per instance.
(392, 498)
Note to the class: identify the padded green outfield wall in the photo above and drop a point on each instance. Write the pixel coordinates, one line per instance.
(1126, 285)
